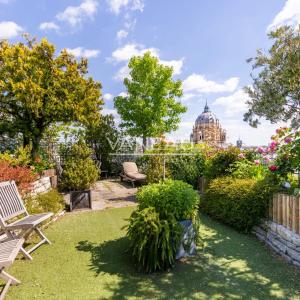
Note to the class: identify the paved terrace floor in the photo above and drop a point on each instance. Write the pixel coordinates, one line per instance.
(110, 193)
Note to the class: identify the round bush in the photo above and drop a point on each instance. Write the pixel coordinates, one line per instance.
(170, 197)
(80, 171)
(241, 203)
(220, 163)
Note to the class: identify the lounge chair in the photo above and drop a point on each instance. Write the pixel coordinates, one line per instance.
(12, 207)
(131, 173)
(8, 252)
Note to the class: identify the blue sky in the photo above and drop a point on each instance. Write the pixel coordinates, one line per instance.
(206, 41)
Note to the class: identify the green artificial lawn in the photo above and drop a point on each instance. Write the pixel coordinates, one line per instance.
(87, 260)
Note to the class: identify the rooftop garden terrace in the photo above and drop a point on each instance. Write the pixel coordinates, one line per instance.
(89, 260)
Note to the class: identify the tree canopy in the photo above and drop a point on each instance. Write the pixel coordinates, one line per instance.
(275, 91)
(150, 107)
(39, 88)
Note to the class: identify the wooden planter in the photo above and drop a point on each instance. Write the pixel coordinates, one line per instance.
(80, 200)
(285, 210)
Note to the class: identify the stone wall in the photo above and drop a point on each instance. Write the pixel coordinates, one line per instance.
(282, 240)
(42, 185)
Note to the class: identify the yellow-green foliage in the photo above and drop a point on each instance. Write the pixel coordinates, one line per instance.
(80, 171)
(21, 157)
(42, 87)
(51, 201)
(241, 203)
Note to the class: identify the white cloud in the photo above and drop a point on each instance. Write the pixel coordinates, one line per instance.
(82, 52)
(198, 83)
(176, 64)
(233, 104)
(49, 26)
(9, 29)
(188, 96)
(75, 15)
(108, 96)
(289, 15)
(121, 34)
(122, 94)
(122, 73)
(116, 5)
(126, 52)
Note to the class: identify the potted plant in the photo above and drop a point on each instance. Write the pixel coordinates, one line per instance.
(164, 227)
(79, 174)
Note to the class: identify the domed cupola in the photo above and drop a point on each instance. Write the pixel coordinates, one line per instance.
(206, 117)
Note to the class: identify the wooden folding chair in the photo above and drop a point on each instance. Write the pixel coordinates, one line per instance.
(12, 207)
(8, 252)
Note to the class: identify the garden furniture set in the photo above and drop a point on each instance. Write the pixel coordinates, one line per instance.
(17, 224)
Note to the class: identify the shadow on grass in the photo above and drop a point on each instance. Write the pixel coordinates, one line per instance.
(231, 266)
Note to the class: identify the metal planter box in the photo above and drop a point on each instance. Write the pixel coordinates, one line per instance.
(80, 200)
(188, 245)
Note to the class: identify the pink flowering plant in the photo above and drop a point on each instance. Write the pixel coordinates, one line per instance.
(282, 156)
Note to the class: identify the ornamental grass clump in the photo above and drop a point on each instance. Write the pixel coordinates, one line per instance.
(153, 230)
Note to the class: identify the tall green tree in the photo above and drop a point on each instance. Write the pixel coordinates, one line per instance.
(104, 138)
(275, 91)
(150, 108)
(38, 88)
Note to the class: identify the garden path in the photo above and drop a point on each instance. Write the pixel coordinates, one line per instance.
(111, 193)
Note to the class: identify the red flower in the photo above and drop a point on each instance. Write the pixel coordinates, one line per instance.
(273, 168)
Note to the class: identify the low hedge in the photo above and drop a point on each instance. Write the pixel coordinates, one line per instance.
(241, 203)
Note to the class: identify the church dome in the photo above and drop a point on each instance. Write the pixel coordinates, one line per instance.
(206, 117)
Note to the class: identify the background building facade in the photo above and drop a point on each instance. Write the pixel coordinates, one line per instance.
(207, 129)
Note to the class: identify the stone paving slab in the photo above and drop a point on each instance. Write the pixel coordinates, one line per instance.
(110, 193)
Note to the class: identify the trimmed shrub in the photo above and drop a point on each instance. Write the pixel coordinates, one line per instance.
(50, 201)
(154, 241)
(186, 168)
(79, 171)
(241, 203)
(219, 164)
(170, 197)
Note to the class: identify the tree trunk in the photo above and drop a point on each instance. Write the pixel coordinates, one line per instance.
(144, 143)
(26, 140)
(35, 146)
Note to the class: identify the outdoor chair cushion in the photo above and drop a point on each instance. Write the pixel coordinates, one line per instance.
(136, 176)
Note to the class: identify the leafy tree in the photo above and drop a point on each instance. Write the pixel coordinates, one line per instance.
(104, 138)
(275, 91)
(150, 107)
(38, 88)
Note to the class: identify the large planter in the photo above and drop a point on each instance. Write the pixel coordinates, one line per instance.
(187, 246)
(80, 200)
